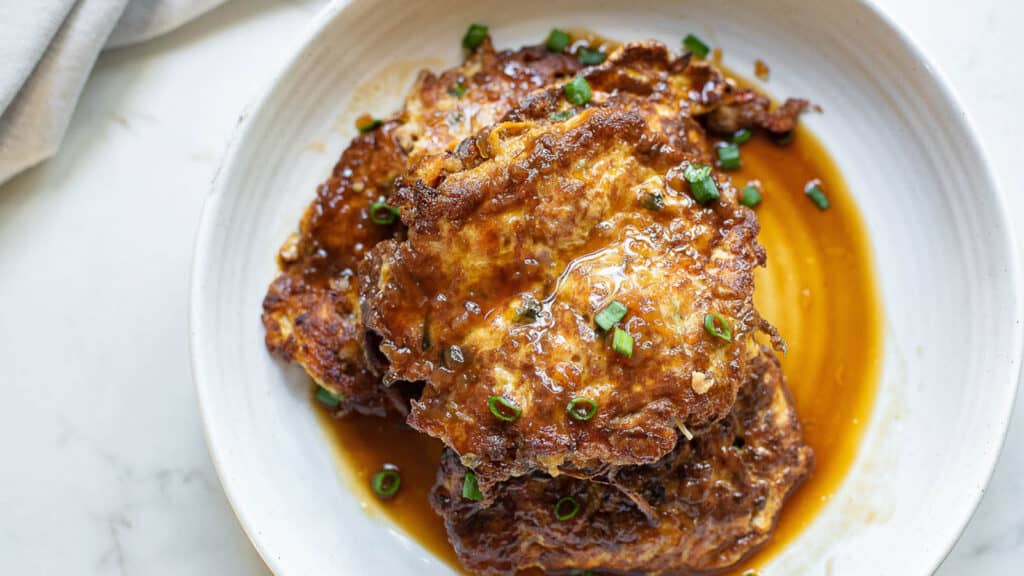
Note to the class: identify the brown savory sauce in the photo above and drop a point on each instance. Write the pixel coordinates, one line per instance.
(818, 290)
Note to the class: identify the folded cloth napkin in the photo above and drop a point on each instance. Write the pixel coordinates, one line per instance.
(48, 48)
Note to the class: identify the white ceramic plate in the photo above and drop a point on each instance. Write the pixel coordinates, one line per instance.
(950, 285)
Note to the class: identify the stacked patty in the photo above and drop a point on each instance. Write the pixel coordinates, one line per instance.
(561, 290)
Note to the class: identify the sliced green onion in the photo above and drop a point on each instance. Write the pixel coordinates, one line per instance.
(503, 408)
(529, 309)
(717, 326)
(610, 314)
(458, 90)
(817, 195)
(729, 156)
(705, 191)
(581, 408)
(566, 508)
(696, 46)
(590, 56)
(654, 201)
(622, 342)
(471, 488)
(558, 40)
(702, 185)
(784, 138)
(383, 213)
(750, 196)
(327, 398)
(563, 115)
(474, 37)
(386, 483)
(696, 172)
(370, 126)
(742, 136)
(578, 91)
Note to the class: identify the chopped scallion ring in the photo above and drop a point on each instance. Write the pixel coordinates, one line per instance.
(654, 201)
(729, 156)
(386, 483)
(622, 342)
(581, 408)
(750, 196)
(611, 314)
(370, 125)
(578, 91)
(558, 40)
(696, 46)
(458, 90)
(566, 508)
(742, 136)
(563, 115)
(717, 326)
(503, 408)
(590, 56)
(474, 37)
(817, 195)
(705, 191)
(696, 172)
(327, 398)
(383, 213)
(529, 310)
(471, 487)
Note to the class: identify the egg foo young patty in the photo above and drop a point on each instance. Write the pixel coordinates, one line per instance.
(548, 258)
(311, 312)
(708, 504)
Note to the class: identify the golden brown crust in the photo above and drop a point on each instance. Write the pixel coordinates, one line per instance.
(703, 508)
(533, 209)
(311, 311)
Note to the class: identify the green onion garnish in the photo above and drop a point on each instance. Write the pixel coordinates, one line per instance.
(370, 126)
(563, 115)
(622, 342)
(503, 408)
(566, 508)
(471, 488)
(702, 185)
(750, 196)
(581, 408)
(742, 136)
(696, 46)
(729, 156)
(458, 90)
(474, 37)
(590, 56)
(654, 201)
(529, 309)
(784, 138)
(578, 92)
(327, 398)
(383, 213)
(386, 483)
(817, 195)
(611, 314)
(558, 40)
(717, 326)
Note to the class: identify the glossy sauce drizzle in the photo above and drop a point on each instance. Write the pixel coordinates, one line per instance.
(818, 290)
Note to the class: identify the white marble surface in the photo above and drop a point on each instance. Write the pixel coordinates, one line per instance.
(104, 466)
